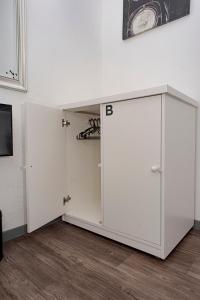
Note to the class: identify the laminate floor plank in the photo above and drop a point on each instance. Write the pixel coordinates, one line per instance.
(171, 283)
(64, 262)
(87, 244)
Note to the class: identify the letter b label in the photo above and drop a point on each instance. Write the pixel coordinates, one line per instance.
(109, 110)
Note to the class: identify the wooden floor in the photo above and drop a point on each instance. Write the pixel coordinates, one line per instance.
(64, 262)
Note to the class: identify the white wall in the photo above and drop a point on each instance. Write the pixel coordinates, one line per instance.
(64, 64)
(169, 54)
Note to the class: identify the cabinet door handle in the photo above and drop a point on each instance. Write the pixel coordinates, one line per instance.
(156, 169)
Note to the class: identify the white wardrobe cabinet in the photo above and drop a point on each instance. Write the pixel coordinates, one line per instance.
(135, 184)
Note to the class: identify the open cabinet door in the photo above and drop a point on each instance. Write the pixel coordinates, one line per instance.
(45, 164)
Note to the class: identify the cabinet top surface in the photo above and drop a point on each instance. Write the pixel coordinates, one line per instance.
(160, 90)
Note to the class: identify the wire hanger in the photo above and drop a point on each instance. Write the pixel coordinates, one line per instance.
(91, 133)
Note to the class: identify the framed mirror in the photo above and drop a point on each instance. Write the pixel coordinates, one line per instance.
(12, 48)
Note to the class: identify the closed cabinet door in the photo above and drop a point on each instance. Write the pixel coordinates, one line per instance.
(131, 168)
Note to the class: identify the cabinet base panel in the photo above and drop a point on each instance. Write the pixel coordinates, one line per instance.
(99, 229)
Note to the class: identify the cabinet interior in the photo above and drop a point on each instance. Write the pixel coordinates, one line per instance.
(83, 165)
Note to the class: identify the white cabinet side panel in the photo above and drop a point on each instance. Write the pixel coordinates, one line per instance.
(179, 170)
(131, 147)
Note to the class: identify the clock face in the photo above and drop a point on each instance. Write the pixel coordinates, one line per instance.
(144, 20)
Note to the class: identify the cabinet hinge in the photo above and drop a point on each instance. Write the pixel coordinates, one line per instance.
(65, 123)
(66, 199)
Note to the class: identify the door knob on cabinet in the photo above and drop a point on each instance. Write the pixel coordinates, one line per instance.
(156, 169)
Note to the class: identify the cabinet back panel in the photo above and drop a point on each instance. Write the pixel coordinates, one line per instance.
(83, 172)
(131, 146)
